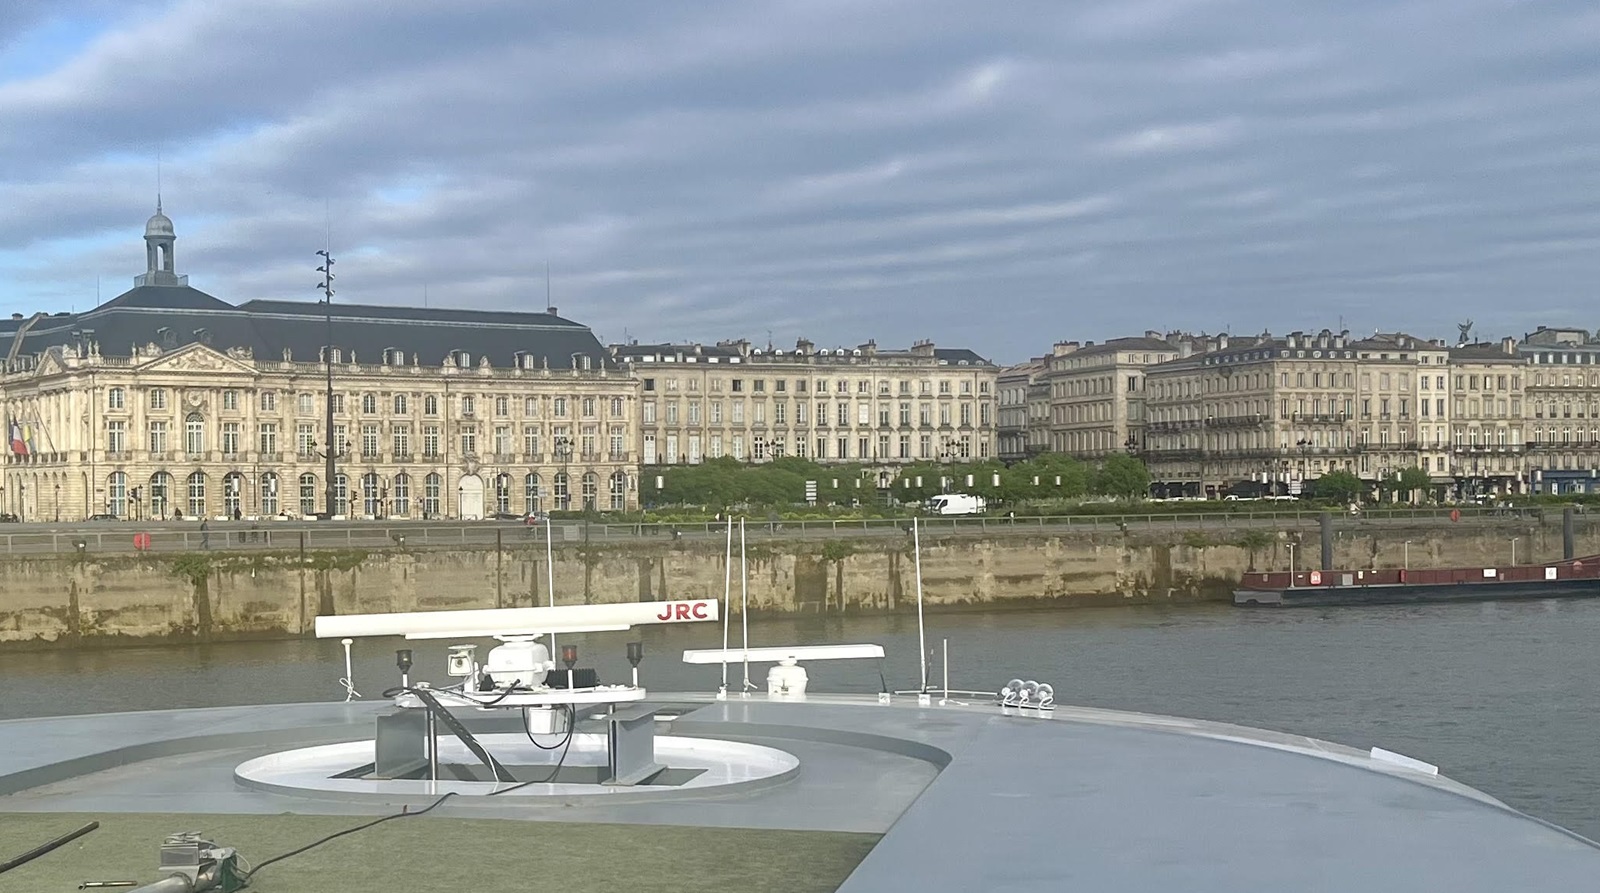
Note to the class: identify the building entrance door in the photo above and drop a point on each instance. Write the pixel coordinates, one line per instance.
(471, 498)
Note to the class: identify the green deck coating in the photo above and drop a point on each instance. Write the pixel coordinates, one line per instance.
(440, 853)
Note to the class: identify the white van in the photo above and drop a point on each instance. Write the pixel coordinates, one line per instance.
(956, 504)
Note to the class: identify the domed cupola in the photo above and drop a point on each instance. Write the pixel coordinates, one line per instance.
(159, 241)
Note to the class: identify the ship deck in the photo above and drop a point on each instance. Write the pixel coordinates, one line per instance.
(886, 797)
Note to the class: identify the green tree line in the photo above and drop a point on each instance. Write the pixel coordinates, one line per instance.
(729, 482)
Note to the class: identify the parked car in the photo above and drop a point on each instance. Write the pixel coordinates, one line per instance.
(956, 504)
(8, 518)
(104, 516)
(505, 516)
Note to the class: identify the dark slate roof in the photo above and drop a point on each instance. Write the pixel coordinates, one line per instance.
(1483, 352)
(267, 328)
(958, 355)
(1119, 344)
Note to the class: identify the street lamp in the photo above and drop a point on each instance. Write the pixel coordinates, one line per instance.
(58, 503)
(563, 450)
(328, 455)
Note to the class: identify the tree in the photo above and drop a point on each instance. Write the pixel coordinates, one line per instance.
(1124, 477)
(1411, 480)
(1339, 486)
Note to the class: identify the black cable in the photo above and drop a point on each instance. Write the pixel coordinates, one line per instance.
(403, 813)
(46, 847)
(571, 721)
(572, 727)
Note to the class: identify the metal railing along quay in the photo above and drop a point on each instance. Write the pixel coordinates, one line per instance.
(132, 537)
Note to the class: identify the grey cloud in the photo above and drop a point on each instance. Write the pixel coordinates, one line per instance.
(997, 176)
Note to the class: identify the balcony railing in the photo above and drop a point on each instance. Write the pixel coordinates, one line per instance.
(1248, 420)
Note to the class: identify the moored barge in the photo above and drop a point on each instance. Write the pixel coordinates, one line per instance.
(1388, 586)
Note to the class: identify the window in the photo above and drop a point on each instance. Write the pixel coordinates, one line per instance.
(305, 440)
(430, 441)
(430, 405)
(400, 496)
(269, 403)
(502, 406)
(469, 441)
(558, 407)
(369, 442)
(158, 437)
(194, 435)
(269, 493)
(267, 439)
(369, 404)
(117, 494)
(158, 398)
(502, 440)
(233, 495)
(530, 407)
(304, 404)
(160, 494)
(230, 400)
(502, 493)
(338, 404)
(591, 489)
(116, 398)
(616, 407)
(531, 494)
(341, 494)
(230, 439)
(589, 407)
(469, 406)
(619, 490)
(401, 441)
(371, 495)
(431, 485)
(618, 453)
(197, 495)
(562, 497)
(116, 436)
(308, 494)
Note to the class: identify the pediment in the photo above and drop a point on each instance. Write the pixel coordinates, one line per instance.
(50, 364)
(197, 358)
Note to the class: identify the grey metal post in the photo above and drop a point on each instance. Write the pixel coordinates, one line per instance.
(1567, 548)
(1326, 522)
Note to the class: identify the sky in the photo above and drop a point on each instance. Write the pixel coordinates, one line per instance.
(993, 176)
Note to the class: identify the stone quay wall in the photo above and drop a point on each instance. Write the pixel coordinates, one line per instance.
(94, 600)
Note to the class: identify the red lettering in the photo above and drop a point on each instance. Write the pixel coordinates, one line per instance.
(682, 611)
(699, 610)
(666, 614)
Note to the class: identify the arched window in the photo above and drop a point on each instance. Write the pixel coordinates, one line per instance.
(619, 491)
(400, 406)
(369, 404)
(431, 485)
(117, 494)
(341, 494)
(502, 493)
(430, 404)
(400, 495)
(371, 495)
(591, 490)
(531, 497)
(160, 494)
(308, 494)
(233, 494)
(197, 495)
(269, 493)
(562, 497)
(194, 435)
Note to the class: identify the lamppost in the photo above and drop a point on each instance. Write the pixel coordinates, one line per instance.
(947, 457)
(329, 454)
(563, 450)
(1304, 445)
(58, 504)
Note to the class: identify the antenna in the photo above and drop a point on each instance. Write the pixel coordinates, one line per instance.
(547, 283)
(158, 178)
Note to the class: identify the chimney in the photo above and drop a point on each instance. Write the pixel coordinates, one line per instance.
(1185, 348)
(1222, 342)
(1509, 345)
(552, 311)
(1152, 334)
(1062, 348)
(804, 347)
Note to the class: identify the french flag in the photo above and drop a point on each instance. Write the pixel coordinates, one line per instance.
(19, 446)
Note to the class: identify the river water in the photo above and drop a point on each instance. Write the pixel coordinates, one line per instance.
(1502, 696)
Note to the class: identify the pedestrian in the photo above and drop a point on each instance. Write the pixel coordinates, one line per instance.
(205, 534)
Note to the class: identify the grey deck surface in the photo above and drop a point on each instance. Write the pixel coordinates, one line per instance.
(971, 799)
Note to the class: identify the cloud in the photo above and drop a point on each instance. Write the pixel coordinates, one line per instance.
(895, 170)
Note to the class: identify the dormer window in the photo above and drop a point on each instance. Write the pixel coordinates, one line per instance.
(461, 358)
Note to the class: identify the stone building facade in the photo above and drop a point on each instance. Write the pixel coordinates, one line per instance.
(862, 405)
(1022, 430)
(166, 401)
(1097, 393)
